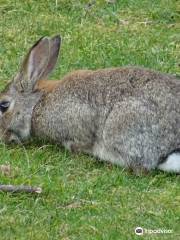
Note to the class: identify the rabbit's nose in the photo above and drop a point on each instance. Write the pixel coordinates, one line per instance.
(13, 139)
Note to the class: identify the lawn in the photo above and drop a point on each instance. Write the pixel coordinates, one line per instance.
(83, 198)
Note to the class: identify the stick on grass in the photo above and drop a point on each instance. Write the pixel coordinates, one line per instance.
(20, 189)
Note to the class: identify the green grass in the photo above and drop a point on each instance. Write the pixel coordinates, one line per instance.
(84, 199)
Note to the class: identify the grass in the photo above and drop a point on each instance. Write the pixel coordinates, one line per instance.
(82, 198)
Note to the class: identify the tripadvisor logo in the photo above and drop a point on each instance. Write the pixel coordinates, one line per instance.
(141, 231)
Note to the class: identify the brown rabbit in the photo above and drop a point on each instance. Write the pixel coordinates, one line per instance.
(128, 116)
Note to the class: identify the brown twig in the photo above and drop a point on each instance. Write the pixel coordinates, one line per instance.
(19, 189)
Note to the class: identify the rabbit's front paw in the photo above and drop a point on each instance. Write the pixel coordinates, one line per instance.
(72, 147)
(76, 147)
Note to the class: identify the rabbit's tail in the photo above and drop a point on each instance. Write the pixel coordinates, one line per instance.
(171, 163)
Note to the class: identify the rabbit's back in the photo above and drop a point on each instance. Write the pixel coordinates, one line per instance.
(108, 86)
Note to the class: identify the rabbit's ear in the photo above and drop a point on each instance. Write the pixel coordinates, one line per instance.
(38, 63)
(54, 46)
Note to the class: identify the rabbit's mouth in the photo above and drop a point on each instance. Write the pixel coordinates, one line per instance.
(12, 137)
(9, 137)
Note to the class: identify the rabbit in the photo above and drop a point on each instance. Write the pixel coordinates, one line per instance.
(128, 116)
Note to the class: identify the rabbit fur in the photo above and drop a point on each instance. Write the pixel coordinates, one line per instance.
(129, 116)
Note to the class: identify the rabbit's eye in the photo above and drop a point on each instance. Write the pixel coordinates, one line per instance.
(4, 105)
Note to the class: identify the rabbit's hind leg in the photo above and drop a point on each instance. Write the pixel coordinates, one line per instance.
(129, 137)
